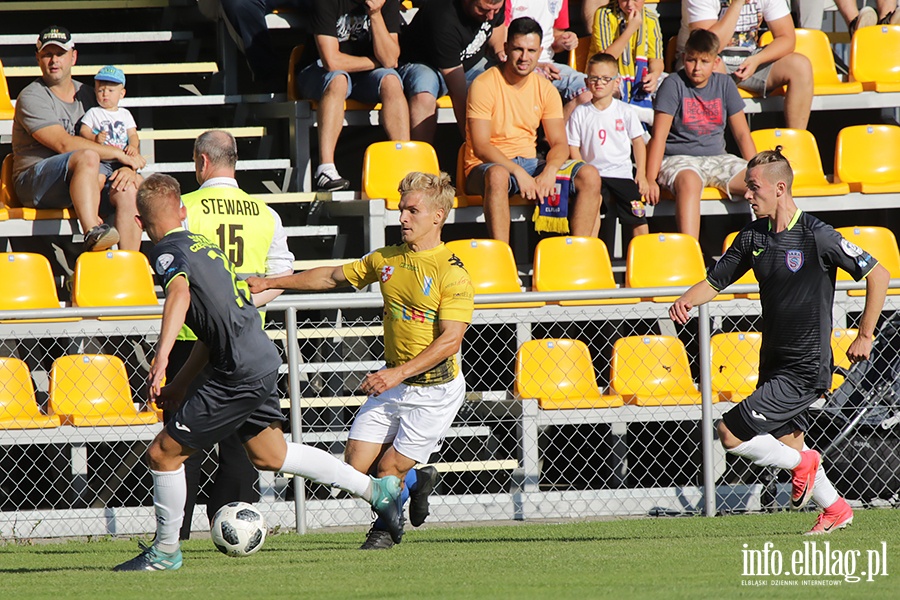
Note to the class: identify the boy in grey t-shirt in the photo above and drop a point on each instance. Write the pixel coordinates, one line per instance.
(687, 149)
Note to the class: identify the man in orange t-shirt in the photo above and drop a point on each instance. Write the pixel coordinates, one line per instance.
(506, 104)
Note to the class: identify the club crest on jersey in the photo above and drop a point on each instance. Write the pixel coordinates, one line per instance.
(386, 272)
(794, 260)
(620, 125)
(426, 285)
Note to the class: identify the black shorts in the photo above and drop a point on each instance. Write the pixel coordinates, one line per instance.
(625, 195)
(778, 406)
(218, 409)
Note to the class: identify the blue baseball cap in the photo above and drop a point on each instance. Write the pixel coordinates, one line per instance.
(111, 74)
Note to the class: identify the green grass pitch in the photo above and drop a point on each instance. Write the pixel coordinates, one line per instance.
(666, 558)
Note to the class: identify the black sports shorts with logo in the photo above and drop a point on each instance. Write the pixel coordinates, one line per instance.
(778, 406)
(219, 408)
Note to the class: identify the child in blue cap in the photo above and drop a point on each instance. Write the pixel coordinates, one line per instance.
(109, 123)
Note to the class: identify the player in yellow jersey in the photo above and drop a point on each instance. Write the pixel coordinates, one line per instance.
(428, 303)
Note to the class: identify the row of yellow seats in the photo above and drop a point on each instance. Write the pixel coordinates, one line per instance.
(874, 65)
(866, 160)
(568, 263)
(109, 278)
(86, 390)
(646, 371)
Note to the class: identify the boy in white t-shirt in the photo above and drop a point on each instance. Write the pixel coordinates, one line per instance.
(108, 123)
(603, 133)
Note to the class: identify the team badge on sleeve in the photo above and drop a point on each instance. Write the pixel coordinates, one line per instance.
(850, 249)
(386, 272)
(794, 260)
(163, 263)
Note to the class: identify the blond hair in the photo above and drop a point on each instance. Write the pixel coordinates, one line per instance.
(157, 193)
(437, 189)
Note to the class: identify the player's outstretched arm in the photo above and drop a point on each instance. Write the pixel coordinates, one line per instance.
(877, 282)
(443, 347)
(320, 279)
(700, 293)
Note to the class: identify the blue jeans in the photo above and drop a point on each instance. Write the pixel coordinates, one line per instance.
(44, 185)
(533, 166)
(570, 84)
(364, 86)
(419, 78)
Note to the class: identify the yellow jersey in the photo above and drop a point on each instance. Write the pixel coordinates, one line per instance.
(420, 289)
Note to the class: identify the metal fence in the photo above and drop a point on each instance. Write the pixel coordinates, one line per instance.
(625, 429)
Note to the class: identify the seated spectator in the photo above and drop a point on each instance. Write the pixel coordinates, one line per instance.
(354, 56)
(444, 50)
(109, 123)
(811, 13)
(54, 167)
(630, 32)
(687, 148)
(604, 132)
(553, 17)
(506, 105)
(246, 23)
(757, 70)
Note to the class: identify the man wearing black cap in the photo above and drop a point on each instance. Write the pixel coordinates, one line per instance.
(54, 167)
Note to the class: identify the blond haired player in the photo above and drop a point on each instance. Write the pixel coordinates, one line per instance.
(428, 303)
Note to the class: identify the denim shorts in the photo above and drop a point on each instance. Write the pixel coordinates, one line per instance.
(44, 184)
(533, 166)
(364, 86)
(420, 78)
(570, 84)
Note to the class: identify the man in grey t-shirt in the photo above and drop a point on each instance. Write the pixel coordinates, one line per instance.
(55, 168)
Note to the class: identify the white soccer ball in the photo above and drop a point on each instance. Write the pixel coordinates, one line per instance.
(238, 529)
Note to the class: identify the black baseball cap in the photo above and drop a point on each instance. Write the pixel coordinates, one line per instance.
(57, 36)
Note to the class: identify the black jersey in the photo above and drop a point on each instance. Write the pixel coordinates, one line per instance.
(796, 269)
(221, 313)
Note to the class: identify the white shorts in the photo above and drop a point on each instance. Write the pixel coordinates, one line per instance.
(414, 417)
(714, 171)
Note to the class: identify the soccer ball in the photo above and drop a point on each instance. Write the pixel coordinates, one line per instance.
(238, 529)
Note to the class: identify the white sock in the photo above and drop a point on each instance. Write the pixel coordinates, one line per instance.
(824, 493)
(321, 467)
(328, 168)
(766, 451)
(169, 494)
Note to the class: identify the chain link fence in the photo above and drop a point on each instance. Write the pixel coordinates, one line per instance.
(579, 404)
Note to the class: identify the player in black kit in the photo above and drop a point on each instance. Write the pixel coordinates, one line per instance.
(795, 257)
(240, 394)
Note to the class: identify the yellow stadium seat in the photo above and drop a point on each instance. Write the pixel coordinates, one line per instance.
(800, 148)
(873, 58)
(578, 56)
(7, 112)
(748, 278)
(566, 263)
(880, 243)
(89, 390)
(665, 260)
(735, 364)
(113, 278)
(492, 268)
(815, 45)
(868, 158)
(840, 342)
(560, 375)
(18, 408)
(385, 164)
(652, 371)
(28, 284)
